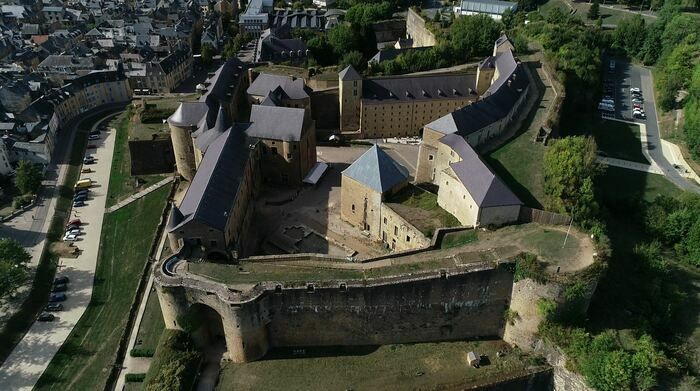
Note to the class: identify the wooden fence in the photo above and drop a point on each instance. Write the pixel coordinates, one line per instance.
(530, 215)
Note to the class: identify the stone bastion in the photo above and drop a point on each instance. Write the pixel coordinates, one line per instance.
(312, 300)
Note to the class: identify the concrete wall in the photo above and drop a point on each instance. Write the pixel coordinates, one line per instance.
(416, 29)
(467, 306)
(398, 233)
(325, 108)
(455, 199)
(499, 215)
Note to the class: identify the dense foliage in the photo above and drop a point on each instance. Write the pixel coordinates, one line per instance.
(676, 223)
(13, 266)
(175, 364)
(28, 177)
(569, 171)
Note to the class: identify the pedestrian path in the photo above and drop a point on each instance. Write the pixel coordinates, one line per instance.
(140, 194)
(650, 168)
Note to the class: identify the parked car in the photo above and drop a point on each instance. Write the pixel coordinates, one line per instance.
(61, 280)
(75, 222)
(639, 115)
(54, 307)
(82, 191)
(46, 318)
(80, 197)
(93, 137)
(86, 170)
(95, 132)
(59, 288)
(78, 204)
(55, 297)
(88, 160)
(92, 146)
(70, 238)
(635, 89)
(75, 232)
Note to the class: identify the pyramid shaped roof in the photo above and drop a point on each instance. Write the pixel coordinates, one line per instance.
(376, 169)
(349, 73)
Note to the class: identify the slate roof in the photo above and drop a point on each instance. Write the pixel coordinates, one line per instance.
(495, 102)
(221, 85)
(377, 170)
(204, 136)
(349, 74)
(188, 114)
(278, 123)
(483, 185)
(266, 83)
(212, 194)
(424, 87)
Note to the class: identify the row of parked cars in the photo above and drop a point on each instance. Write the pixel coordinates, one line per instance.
(607, 103)
(637, 103)
(58, 294)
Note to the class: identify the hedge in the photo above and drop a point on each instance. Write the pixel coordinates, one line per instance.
(134, 377)
(175, 363)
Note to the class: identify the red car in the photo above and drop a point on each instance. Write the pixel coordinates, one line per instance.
(74, 222)
(93, 146)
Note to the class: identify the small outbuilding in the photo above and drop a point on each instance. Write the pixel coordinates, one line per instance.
(474, 359)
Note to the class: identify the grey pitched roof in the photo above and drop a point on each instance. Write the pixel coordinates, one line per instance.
(277, 123)
(496, 102)
(265, 83)
(483, 185)
(188, 114)
(392, 53)
(221, 85)
(423, 87)
(175, 218)
(376, 169)
(214, 188)
(349, 74)
(205, 135)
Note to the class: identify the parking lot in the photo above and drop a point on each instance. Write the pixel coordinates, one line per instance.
(31, 356)
(623, 95)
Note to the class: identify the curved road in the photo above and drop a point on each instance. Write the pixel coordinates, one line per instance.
(35, 351)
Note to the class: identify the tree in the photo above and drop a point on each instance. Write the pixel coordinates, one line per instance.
(473, 36)
(321, 50)
(343, 39)
(353, 58)
(364, 14)
(208, 53)
(13, 266)
(630, 35)
(594, 11)
(298, 5)
(28, 177)
(569, 170)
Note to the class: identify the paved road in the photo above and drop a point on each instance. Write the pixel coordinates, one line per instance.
(33, 354)
(641, 77)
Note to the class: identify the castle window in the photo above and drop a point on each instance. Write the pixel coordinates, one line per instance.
(274, 149)
(396, 230)
(354, 83)
(353, 210)
(289, 156)
(385, 220)
(431, 157)
(408, 238)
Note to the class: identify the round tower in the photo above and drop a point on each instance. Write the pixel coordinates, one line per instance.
(183, 121)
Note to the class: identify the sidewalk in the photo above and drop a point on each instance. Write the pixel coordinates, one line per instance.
(140, 194)
(32, 355)
(652, 169)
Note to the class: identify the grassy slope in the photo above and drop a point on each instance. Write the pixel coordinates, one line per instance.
(610, 16)
(617, 139)
(152, 324)
(83, 362)
(121, 183)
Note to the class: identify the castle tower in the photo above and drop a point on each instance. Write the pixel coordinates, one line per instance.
(484, 74)
(183, 121)
(350, 96)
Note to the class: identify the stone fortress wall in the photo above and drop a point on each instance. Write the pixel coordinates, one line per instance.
(416, 30)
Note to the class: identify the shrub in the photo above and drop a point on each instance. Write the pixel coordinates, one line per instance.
(546, 307)
(22, 201)
(140, 352)
(134, 377)
(527, 266)
(511, 316)
(174, 366)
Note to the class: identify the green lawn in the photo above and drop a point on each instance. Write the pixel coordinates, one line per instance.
(121, 183)
(551, 247)
(389, 367)
(420, 208)
(17, 325)
(460, 238)
(610, 16)
(616, 139)
(621, 184)
(152, 324)
(85, 359)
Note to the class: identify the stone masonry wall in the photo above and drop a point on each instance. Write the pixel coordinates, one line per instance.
(464, 306)
(415, 28)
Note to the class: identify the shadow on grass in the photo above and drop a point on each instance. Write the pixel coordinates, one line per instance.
(318, 352)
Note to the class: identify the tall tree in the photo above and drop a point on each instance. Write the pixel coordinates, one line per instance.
(13, 266)
(28, 177)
